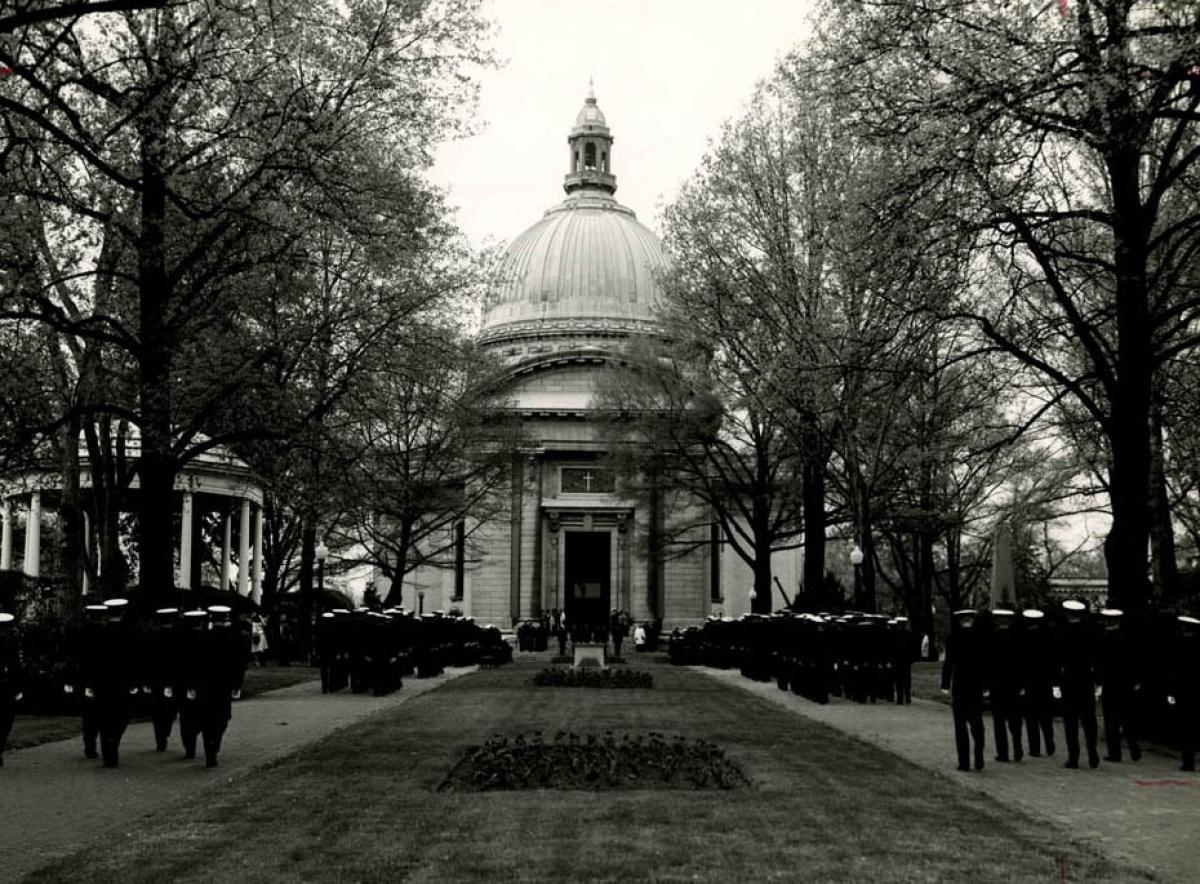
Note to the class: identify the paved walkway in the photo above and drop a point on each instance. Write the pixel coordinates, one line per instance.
(53, 800)
(1147, 813)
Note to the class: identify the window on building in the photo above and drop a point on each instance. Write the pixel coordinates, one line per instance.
(604, 161)
(589, 156)
(575, 162)
(587, 480)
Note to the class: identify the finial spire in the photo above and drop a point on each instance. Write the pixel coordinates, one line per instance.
(591, 96)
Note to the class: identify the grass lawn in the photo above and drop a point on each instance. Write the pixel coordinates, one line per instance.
(361, 805)
(33, 730)
(927, 682)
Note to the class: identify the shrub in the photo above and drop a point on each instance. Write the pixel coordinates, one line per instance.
(566, 677)
(573, 761)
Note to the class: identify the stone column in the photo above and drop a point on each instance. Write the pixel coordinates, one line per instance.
(256, 593)
(244, 549)
(33, 536)
(225, 544)
(87, 550)
(6, 537)
(185, 542)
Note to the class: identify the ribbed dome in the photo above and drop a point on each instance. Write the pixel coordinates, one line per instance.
(590, 115)
(587, 259)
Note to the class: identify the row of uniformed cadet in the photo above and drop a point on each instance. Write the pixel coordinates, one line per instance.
(187, 665)
(374, 650)
(861, 657)
(11, 678)
(1025, 666)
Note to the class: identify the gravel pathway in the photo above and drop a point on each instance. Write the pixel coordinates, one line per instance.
(53, 800)
(1148, 812)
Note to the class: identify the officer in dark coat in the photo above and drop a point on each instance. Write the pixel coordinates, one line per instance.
(223, 655)
(162, 672)
(1077, 683)
(11, 678)
(1183, 688)
(81, 682)
(902, 649)
(113, 678)
(191, 642)
(1004, 684)
(963, 676)
(1118, 673)
(1037, 680)
(326, 651)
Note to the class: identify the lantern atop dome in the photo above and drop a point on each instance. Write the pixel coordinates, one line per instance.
(591, 150)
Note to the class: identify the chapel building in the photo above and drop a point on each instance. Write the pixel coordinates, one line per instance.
(575, 289)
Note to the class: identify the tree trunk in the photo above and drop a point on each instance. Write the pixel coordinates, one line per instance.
(70, 513)
(156, 468)
(814, 526)
(1162, 538)
(1125, 548)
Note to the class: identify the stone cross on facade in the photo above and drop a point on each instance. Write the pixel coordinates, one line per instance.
(587, 480)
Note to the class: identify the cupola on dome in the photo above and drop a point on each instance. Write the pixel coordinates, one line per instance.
(588, 264)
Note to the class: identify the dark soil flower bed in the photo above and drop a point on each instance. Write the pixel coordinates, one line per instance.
(566, 677)
(594, 763)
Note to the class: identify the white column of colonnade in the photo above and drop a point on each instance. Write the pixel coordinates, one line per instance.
(33, 537)
(185, 542)
(244, 549)
(6, 537)
(87, 552)
(225, 544)
(256, 592)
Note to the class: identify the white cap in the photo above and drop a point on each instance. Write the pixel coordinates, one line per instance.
(901, 619)
(327, 615)
(1002, 612)
(7, 618)
(1072, 605)
(95, 608)
(167, 611)
(1184, 618)
(196, 612)
(219, 609)
(965, 612)
(1111, 612)
(1032, 614)
(116, 603)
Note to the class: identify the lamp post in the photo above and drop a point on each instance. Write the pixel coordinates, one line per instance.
(420, 602)
(321, 553)
(856, 559)
(752, 595)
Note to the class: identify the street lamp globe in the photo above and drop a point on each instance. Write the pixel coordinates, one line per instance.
(753, 595)
(856, 556)
(321, 552)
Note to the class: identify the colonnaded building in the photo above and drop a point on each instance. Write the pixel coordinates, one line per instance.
(574, 290)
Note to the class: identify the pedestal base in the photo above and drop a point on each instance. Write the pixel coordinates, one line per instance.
(592, 652)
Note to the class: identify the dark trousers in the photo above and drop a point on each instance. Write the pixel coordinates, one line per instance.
(1187, 729)
(189, 726)
(1006, 723)
(8, 712)
(1079, 708)
(1039, 722)
(213, 730)
(1116, 704)
(163, 712)
(902, 675)
(968, 729)
(89, 714)
(113, 712)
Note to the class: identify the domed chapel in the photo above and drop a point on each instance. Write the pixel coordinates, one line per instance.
(574, 289)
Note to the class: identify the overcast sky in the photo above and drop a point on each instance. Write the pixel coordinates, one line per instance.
(667, 73)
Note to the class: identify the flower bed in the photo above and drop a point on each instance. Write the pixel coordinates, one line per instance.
(566, 677)
(573, 761)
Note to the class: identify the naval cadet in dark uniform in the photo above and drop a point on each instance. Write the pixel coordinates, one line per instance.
(1077, 683)
(162, 672)
(114, 685)
(11, 678)
(81, 680)
(224, 653)
(1118, 666)
(195, 628)
(963, 676)
(1004, 685)
(1037, 679)
(1183, 687)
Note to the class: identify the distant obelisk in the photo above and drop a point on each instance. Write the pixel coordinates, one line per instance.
(1004, 591)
